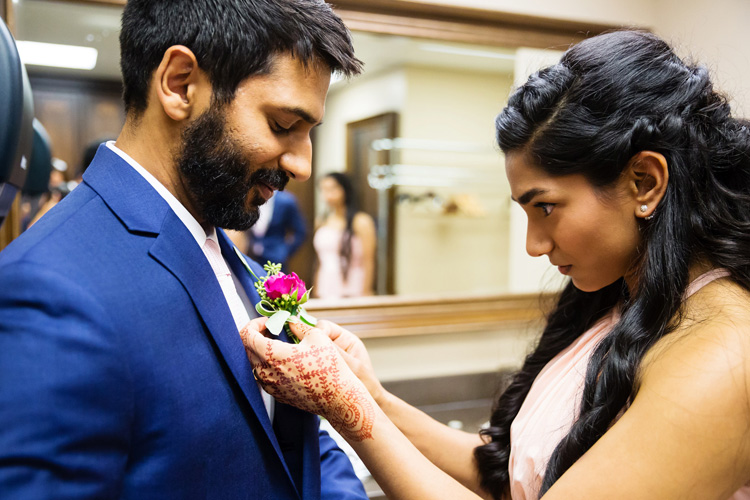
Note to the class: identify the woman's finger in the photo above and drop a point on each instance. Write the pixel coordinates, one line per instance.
(258, 324)
(300, 330)
(256, 344)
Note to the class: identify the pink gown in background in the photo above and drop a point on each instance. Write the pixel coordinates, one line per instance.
(549, 410)
(330, 279)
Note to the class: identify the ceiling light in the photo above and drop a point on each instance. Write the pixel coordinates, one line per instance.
(60, 56)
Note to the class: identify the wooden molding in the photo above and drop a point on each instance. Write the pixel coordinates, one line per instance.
(422, 19)
(463, 24)
(10, 18)
(120, 3)
(393, 316)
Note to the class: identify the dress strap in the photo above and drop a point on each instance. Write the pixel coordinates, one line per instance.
(706, 278)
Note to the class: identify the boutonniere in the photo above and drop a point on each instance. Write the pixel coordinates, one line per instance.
(281, 298)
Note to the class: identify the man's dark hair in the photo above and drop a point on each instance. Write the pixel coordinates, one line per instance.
(231, 39)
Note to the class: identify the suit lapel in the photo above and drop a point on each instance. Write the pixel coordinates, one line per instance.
(247, 281)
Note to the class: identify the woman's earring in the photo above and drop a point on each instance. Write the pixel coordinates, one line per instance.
(644, 209)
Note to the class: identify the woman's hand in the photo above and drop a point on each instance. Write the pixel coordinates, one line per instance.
(312, 376)
(355, 354)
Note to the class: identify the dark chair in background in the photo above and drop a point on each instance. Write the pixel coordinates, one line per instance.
(16, 116)
(40, 163)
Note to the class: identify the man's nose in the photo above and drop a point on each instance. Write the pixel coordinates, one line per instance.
(297, 160)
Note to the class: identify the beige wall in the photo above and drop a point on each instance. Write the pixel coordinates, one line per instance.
(424, 356)
(348, 102)
(715, 33)
(451, 106)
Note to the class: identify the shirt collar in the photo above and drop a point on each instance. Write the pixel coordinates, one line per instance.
(178, 208)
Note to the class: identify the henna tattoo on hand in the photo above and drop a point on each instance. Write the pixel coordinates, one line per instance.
(312, 379)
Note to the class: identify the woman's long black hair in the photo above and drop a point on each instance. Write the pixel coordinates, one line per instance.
(350, 210)
(609, 98)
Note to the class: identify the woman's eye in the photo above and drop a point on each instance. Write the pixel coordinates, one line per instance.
(546, 207)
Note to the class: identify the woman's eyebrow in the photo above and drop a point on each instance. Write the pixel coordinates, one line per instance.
(529, 195)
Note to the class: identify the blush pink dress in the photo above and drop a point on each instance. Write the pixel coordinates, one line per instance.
(330, 280)
(549, 410)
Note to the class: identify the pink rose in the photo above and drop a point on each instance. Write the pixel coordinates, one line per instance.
(281, 284)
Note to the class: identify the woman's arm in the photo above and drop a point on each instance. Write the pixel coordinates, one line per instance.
(363, 228)
(313, 376)
(449, 449)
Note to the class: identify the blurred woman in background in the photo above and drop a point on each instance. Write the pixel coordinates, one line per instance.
(344, 243)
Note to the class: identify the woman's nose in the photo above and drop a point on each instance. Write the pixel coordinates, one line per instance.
(538, 243)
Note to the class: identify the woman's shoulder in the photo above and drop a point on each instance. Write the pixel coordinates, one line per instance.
(685, 435)
(362, 221)
(712, 338)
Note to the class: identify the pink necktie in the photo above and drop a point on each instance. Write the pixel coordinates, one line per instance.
(219, 265)
(237, 308)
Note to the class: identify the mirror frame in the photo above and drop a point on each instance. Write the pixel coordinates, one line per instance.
(394, 315)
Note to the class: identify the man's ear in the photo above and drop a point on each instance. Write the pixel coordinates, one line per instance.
(179, 83)
(648, 176)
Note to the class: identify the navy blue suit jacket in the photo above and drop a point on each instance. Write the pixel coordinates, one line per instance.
(121, 371)
(286, 231)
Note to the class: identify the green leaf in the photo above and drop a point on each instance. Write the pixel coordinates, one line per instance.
(305, 297)
(307, 317)
(294, 295)
(265, 308)
(276, 322)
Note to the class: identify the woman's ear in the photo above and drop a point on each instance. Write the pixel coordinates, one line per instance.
(648, 179)
(179, 83)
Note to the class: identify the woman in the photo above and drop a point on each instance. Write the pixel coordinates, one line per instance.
(344, 242)
(636, 182)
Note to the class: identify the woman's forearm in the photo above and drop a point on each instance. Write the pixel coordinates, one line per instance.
(449, 449)
(400, 469)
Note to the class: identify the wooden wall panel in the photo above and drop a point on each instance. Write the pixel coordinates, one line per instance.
(76, 113)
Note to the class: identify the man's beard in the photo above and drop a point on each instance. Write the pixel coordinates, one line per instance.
(218, 176)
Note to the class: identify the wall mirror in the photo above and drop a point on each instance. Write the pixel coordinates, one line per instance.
(414, 131)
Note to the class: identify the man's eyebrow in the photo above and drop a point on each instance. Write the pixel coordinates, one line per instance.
(529, 195)
(302, 114)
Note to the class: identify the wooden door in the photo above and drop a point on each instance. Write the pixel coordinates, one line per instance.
(359, 158)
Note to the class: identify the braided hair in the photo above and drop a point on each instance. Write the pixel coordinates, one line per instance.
(609, 98)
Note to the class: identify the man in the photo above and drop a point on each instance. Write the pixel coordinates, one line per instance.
(122, 373)
(280, 230)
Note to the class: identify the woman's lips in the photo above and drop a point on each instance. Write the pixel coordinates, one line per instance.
(564, 269)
